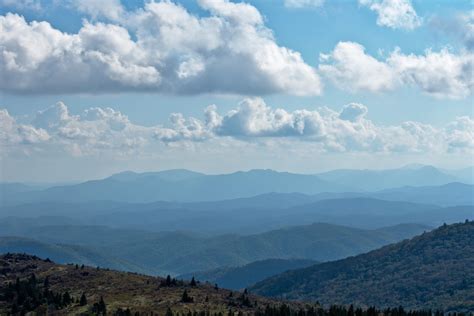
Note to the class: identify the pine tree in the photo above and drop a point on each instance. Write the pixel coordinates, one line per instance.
(46, 282)
(66, 298)
(193, 282)
(83, 300)
(185, 298)
(102, 307)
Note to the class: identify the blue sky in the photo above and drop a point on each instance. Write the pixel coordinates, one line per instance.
(415, 66)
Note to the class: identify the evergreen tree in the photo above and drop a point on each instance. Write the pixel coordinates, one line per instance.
(193, 282)
(66, 298)
(83, 300)
(102, 307)
(185, 298)
(169, 312)
(46, 283)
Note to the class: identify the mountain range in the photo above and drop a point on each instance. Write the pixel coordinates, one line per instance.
(185, 186)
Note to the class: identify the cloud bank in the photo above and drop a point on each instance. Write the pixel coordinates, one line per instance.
(99, 130)
(395, 14)
(161, 47)
(441, 74)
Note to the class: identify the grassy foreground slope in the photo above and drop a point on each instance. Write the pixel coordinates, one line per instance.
(433, 270)
(28, 283)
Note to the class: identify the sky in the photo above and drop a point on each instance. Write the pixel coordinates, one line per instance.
(90, 88)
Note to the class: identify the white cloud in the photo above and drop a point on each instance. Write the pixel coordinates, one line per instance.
(97, 131)
(33, 5)
(349, 67)
(161, 47)
(12, 133)
(440, 74)
(111, 9)
(396, 14)
(353, 112)
(298, 4)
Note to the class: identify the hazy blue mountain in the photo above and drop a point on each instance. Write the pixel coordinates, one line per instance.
(61, 209)
(251, 215)
(357, 212)
(181, 185)
(168, 175)
(244, 276)
(372, 213)
(465, 175)
(8, 189)
(188, 186)
(373, 180)
(183, 252)
(446, 195)
(433, 270)
(62, 253)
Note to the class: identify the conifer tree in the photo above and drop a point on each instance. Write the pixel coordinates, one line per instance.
(169, 312)
(83, 300)
(185, 298)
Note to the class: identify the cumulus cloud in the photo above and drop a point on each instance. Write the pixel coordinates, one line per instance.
(396, 14)
(298, 4)
(99, 130)
(441, 74)
(161, 47)
(12, 133)
(349, 67)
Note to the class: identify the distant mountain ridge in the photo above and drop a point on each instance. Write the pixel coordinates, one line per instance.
(180, 185)
(374, 180)
(433, 270)
(188, 186)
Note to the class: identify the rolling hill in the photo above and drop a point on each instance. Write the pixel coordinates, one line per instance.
(63, 253)
(183, 252)
(242, 277)
(433, 270)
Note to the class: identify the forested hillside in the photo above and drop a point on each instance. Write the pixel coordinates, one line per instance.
(433, 270)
